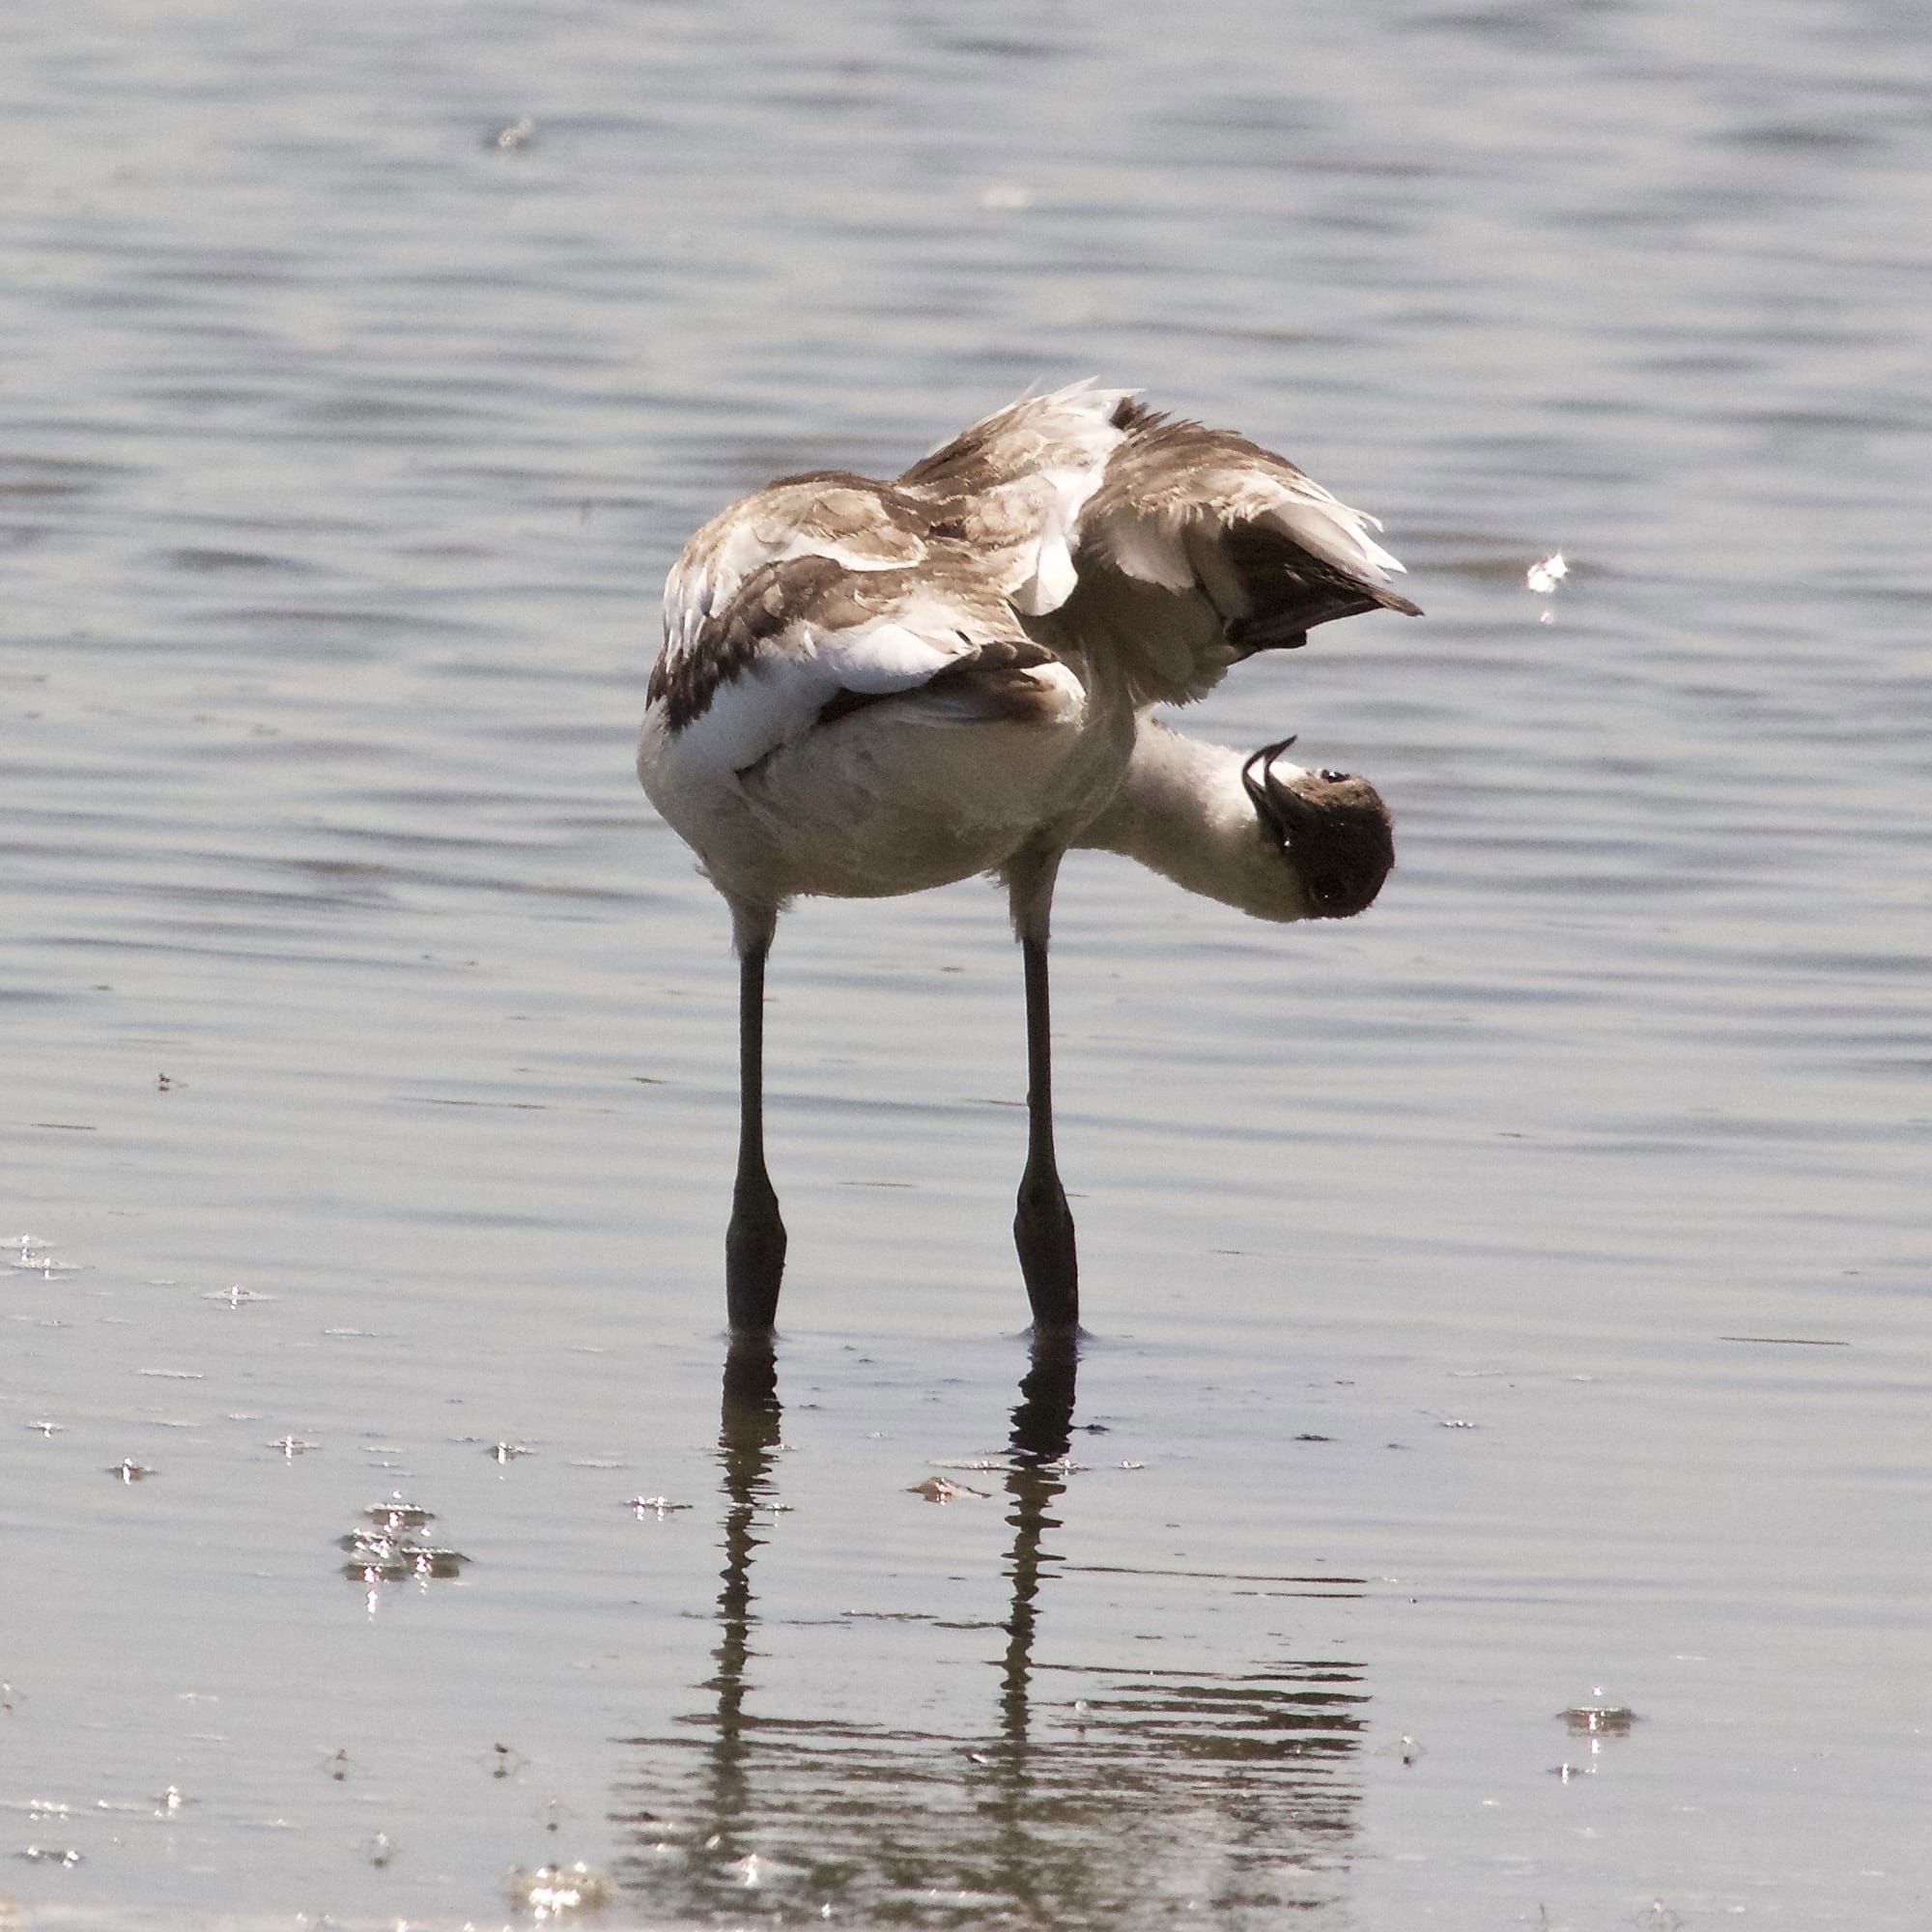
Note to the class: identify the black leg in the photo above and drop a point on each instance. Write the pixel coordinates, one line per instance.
(754, 1244)
(1044, 1228)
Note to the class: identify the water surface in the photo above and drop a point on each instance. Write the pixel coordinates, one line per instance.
(1507, 1304)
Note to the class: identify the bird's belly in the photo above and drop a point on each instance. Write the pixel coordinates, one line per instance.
(869, 809)
(871, 805)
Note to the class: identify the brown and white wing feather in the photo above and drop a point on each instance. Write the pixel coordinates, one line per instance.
(851, 521)
(1072, 522)
(1200, 548)
(805, 642)
(1011, 489)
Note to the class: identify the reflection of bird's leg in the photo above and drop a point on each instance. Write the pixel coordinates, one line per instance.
(1042, 1426)
(1043, 1419)
(1042, 1422)
(748, 1441)
(749, 1427)
(755, 1242)
(1043, 1225)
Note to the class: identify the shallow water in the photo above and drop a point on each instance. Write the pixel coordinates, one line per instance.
(1508, 1304)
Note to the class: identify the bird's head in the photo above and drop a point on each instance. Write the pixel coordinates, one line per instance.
(1332, 828)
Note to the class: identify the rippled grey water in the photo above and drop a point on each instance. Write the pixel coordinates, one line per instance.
(1509, 1303)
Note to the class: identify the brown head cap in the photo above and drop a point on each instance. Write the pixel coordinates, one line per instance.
(1334, 831)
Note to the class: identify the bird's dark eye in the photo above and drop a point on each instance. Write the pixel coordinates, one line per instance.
(1335, 778)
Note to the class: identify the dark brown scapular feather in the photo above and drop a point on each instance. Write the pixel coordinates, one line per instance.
(1291, 590)
(996, 674)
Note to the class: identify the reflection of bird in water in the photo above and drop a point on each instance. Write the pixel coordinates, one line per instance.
(867, 689)
(1103, 1791)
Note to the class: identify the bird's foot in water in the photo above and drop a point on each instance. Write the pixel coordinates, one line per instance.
(755, 1258)
(1049, 1262)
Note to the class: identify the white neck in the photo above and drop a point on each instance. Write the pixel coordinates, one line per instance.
(1184, 813)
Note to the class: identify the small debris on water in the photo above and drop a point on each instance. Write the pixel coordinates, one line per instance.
(383, 1560)
(33, 1255)
(1564, 1772)
(938, 1489)
(506, 1452)
(1545, 576)
(657, 1506)
(380, 1851)
(555, 1892)
(127, 1471)
(396, 1514)
(292, 1446)
(47, 1429)
(392, 1547)
(1543, 579)
(518, 133)
(1607, 1721)
(50, 1854)
(235, 1296)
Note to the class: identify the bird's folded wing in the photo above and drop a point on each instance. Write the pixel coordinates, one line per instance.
(1011, 489)
(1200, 546)
(851, 521)
(805, 642)
(1078, 519)
(1001, 499)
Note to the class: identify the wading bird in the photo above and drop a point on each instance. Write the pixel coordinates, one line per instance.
(868, 687)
